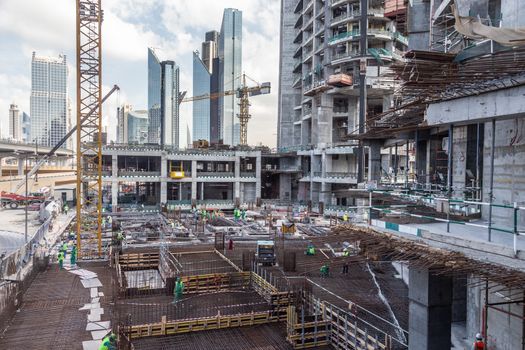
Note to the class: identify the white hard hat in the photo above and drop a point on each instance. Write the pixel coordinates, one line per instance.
(478, 336)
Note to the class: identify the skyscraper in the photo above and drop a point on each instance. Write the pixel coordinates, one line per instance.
(26, 127)
(210, 49)
(201, 108)
(15, 125)
(48, 99)
(230, 70)
(163, 102)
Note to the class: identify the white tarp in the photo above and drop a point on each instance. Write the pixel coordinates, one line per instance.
(472, 28)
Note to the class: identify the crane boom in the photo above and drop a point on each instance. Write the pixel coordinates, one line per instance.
(48, 155)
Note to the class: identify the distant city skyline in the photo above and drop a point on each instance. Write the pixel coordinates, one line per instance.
(150, 24)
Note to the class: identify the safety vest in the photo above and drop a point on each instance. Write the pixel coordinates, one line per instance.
(105, 345)
(479, 345)
(346, 253)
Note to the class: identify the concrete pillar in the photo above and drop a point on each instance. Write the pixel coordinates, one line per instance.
(114, 183)
(258, 171)
(20, 166)
(430, 310)
(163, 180)
(193, 180)
(374, 161)
(237, 184)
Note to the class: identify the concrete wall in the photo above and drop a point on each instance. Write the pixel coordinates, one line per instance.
(505, 331)
(513, 13)
(509, 169)
(418, 24)
(459, 159)
(287, 94)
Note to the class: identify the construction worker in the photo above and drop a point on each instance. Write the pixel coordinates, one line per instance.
(243, 214)
(346, 253)
(345, 217)
(236, 214)
(120, 239)
(325, 271)
(345, 267)
(60, 260)
(109, 342)
(479, 344)
(64, 249)
(66, 208)
(230, 244)
(310, 250)
(103, 222)
(73, 258)
(179, 290)
(110, 220)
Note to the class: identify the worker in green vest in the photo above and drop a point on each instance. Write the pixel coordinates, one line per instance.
(60, 260)
(179, 290)
(325, 271)
(346, 252)
(345, 217)
(66, 208)
(73, 258)
(64, 249)
(310, 250)
(109, 342)
(236, 214)
(243, 214)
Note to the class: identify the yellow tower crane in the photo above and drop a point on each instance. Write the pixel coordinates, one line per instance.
(243, 93)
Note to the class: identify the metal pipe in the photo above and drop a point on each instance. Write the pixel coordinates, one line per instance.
(486, 314)
(449, 171)
(491, 186)
(406, 165)
(27, 176)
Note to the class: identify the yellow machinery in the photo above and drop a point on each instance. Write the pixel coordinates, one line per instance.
(176, 174)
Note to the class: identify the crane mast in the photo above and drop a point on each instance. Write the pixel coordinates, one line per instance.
(89, 134)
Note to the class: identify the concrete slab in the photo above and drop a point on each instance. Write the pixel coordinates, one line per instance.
(98, 326)
(98, 335)
(91, 344)
(90, 306)
(91, 283)
(94, 318)
(94, 292)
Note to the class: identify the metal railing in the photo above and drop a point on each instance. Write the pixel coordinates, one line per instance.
(215, 174)
(139, 173)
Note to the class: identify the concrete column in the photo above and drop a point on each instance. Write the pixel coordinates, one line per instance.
(193, 180)
(20, 166)
(430, 310)
(237, 184)
(258, 171)
(374, 161)
(114, 182)
(163, 179)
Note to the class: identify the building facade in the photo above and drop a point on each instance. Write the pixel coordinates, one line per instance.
(201, 108)
(230, 70)
(333, 60)
(26, 127)
(137, 127)
(15, 123)
(48, 99)
(165, 126)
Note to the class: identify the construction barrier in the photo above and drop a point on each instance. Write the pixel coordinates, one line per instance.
(308, 333)
(214, 282)
(139, 261)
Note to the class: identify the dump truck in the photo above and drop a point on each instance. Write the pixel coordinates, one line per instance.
(265, 253)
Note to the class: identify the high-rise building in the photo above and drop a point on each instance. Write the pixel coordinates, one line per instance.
(132, 125)
(15, 125)
(201, 108)
(230, 70)
(48, 100)
(26, 128)
(334, 56)
(210, 49)
(163, 102)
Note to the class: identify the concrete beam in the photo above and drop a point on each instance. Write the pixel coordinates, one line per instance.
(501, 104)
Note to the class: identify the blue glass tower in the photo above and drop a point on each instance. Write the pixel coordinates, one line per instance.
(230, 70)
(201, 108)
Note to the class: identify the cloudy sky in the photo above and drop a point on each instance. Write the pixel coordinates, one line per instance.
(130, 26)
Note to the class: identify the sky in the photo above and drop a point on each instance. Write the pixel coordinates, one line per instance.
(129, 28)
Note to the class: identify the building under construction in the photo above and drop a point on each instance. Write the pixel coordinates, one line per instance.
(391, 216)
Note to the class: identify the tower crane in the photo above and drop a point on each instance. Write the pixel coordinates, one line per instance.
(243, 93)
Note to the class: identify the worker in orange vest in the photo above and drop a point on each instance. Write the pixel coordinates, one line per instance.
(479, 344)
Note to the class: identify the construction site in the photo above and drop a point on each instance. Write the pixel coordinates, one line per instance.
(390, 216)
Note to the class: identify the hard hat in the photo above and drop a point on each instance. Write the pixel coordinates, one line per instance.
(478, 336)
(112, 337)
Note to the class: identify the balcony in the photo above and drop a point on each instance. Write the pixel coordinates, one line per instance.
(401, 38)
(338, 2)
(344, 55)
(248, 174)
(343, 37)
(316, 87)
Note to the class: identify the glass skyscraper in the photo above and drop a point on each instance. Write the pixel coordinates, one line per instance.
(48, 102)
(230, 70)
(137, 127)
(201, 108)
(163, 102)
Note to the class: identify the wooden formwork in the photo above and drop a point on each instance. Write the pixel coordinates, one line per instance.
(215, 282)
(306, 334)
(139, 261)
(203, 324)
